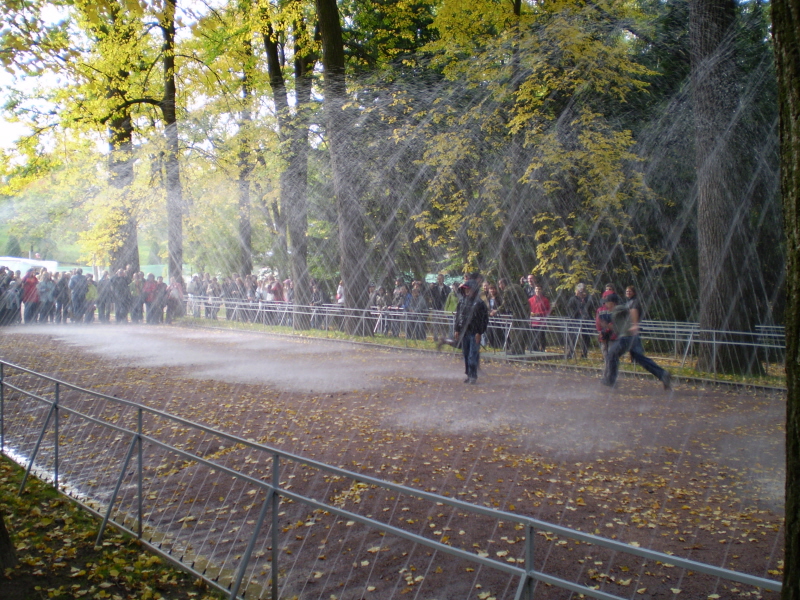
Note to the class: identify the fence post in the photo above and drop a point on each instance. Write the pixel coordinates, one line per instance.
(139, 475)
(275, 505)
(55, 449)
(36, 449)
(116, 490)
(251, 545)
(714, 351)
(525, 589)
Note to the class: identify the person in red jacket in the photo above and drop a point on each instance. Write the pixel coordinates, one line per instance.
(149, 291)
(30, 296)
(540, 308)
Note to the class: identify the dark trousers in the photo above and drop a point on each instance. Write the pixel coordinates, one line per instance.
(633, 345)
(30, 310)
(472, 355)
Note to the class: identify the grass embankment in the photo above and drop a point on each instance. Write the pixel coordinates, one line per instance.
(57, 558)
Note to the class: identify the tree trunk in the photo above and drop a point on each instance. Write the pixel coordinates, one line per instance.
(721, 207)
(786, 28)
(172, 165)
(294, 179)
(121, 167)
(245, 167)
(347, 179)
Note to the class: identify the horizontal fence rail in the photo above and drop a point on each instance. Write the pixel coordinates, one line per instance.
(240, 514)
(680, 340)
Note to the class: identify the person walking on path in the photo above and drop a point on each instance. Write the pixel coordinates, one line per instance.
(627, 331)
(472, 319)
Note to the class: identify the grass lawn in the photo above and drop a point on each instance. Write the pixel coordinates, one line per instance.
(54, 540)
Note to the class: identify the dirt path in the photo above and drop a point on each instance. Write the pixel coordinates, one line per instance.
(697, 472)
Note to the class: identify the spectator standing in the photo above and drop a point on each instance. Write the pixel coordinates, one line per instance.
(91, 299)
(195, 291)
(105, 297)
(418, 308)
(61, 297)
(495, 335)
(160, 302)
(77, 291)
(10, 305)
(137, 298)
(540, 310)
(30, 296)
(340, 294)
(47, 295)
(578, 310)
(214, 293)
(149, 289)
(472, 319)
(174, 300)
(451, 304)
(605, 329)
(439, 293)
(530, 286)
(121, 293)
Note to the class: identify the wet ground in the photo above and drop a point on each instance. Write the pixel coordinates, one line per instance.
(694, 471)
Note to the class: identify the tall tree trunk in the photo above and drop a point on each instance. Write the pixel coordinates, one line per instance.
(508, 264)
(245, 167)
(347, 179)
(720, 205)
(786, 27)
(172, 165)
(121, 167)
(294, 147)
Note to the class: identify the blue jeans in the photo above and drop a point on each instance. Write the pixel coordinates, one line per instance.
(472, 355)
(633, 345)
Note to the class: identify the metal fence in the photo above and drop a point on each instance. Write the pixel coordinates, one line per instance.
(254, 521)
(679, 340)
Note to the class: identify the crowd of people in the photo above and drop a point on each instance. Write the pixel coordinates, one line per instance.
(40, 296)
(519, 310)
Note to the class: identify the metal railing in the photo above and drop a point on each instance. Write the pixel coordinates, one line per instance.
(190, 480)
(679, 340)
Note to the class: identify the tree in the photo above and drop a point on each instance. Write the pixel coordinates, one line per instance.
(293, 131)
(347, 175)
(786, 20)
(721, 208)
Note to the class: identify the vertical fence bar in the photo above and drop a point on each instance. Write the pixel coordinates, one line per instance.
(116, 490)
(36, 449)
(525, 589)
(275, 505)
(55, 429)
(251, 545)
(714, 351)
(139, 476)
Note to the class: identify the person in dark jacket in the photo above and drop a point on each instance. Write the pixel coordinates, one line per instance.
(472, 319)
(78, 286)
(122, 296)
